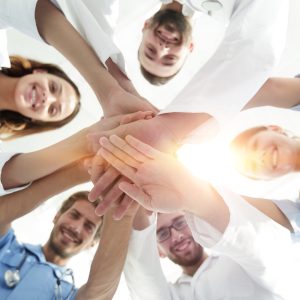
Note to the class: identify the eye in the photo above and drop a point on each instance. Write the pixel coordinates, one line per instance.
(179, 224)
(163, 234)
(53, 87)
(89, 227)
(52, 110)
(73, 215)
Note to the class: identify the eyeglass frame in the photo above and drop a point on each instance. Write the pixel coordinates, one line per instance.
(173, 225)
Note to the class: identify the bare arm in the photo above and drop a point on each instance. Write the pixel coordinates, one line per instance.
(18, 204)
(109, 260)
(57, 31)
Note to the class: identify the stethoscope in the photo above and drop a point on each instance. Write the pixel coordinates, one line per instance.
(12, 278)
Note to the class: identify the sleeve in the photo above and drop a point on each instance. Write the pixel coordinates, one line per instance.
(255, 242)
(5, 157)
(19, 15)
(253, 43)
(93, 20)
(142, 270)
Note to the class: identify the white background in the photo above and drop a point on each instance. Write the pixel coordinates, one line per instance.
(36, 226)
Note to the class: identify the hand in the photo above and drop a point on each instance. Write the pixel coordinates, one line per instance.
(123, 102)
(155, 175)
(151, 131)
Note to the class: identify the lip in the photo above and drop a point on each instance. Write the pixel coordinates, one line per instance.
(33, 97)
(69, 236)
(182, 246)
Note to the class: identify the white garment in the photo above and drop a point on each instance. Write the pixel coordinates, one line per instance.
(94, 21)
(253, 261)
(5, 157)
(253, 43)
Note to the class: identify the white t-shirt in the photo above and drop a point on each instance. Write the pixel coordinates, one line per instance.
(95, 21)
(251, 48)
(253, 259)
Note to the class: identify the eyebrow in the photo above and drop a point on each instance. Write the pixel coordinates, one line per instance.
(80, 214)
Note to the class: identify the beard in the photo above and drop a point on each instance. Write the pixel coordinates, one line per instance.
(58, 249)
(173, 21)
(188, 261)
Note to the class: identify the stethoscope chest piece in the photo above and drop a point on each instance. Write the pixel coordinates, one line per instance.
(12, 278)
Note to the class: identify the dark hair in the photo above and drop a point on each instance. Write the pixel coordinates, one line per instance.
(14, 124)
(81, 195)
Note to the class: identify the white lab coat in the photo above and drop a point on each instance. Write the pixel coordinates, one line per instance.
(253, 259)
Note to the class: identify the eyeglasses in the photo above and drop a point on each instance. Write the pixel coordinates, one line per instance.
(164, 233)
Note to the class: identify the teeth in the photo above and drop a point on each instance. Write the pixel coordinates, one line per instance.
(33, 98)
(274, 158)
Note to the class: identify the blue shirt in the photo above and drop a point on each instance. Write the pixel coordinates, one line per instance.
(39, 278)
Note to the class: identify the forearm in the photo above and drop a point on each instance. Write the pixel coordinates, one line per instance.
(181, 124)
(17, 204)
(57, 31)
(109, 260)
(27, 167)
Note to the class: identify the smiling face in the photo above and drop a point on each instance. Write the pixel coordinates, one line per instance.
(74, 230)
(265, 153)
(166, 43)
(180, 247)
(44, 97)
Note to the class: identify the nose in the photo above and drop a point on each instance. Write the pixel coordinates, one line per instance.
(176, 236)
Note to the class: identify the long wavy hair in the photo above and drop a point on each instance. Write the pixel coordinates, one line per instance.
(13, 124)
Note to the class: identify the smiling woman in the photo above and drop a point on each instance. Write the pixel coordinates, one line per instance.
(35, 97)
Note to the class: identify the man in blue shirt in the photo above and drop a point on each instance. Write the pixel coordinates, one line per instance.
(39, 272)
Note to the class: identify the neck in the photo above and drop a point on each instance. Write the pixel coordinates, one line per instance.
(52, 257)
(172, 6)
(7, 90)
(191, 270)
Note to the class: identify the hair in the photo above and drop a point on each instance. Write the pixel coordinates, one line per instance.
(13, 124)
(69, 202)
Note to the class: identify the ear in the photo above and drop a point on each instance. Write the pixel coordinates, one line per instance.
(56, 217)
(146, 24)
(191, 47)
(161, 252)
(276, 128)
(39, 71)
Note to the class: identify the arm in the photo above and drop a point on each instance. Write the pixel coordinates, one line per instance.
(163, 131)
(242, 63)
(243, 230)
(45, 161)
(18, 204)
(109, 259)
(57, 31)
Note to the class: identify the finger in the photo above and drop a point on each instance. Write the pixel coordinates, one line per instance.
(87, 164)
(145, 149)
(118, 152)
(123, 207)
(128, 149)
(106, 180)
(119, 165)
(113, 192)
(136, 194)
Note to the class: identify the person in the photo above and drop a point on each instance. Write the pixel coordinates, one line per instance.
(266, 152)
(35, 96)
(40, 272)
(167, 42)
(239, 232)
(95, 51)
